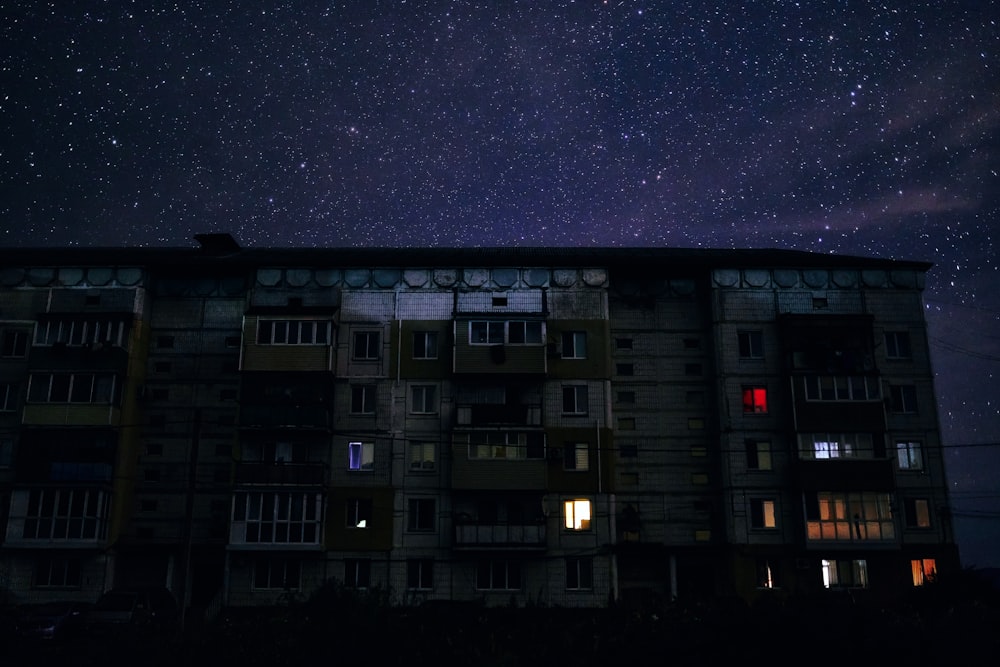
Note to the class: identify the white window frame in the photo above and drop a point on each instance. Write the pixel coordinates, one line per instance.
(761, 451)
(574, 345)
(909, 455)
(423, 399)
(361, 456)
(898, 346)
(842, 388)
(359, 513)
(499, 573)
(844, 573)
(278, 571)
(368, 394)
(366, 345)
(576, 456)
(422, 455)
(833, 446)
(425, 345)
(576, 567)
(277, 517)
(576, 397)
(752, 342)
(421, 515)
(293, 332)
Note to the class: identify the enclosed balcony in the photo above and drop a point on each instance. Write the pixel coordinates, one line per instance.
(500, 535)
(499, 414)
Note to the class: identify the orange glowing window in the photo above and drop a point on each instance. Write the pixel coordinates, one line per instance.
(754, 399)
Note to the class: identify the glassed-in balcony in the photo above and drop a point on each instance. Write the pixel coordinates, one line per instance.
(500, 535)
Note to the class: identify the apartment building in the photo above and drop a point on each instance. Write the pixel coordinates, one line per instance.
(568, 427)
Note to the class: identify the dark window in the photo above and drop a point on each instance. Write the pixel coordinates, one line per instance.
(498, 575)
(751, 344)
(363, 399)
(626, 397)
(57, 573)
(918, 512)
(420, 573)
(692, 343)
(628, 451)
(15, 344)
(758, 454)
(574, 345)
(366, 345)
(425, 345)
(897, 345)
(276, 573)
(692, 369)
(903, 398)
(163, 366)
(576, 456)
(8, 397)
(762, 513)
(579, 573)
(357, 572)
(575, 399)
(165, 342)
(422, 515)
(625, 369)
(623, 343)
(359, 513)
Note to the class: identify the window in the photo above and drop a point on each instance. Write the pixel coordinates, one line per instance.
(758, 454)
(628, 451)
(924, 571)
(14, 344)
(766, 573)
(699, 478)
(908, 455)
(6, 452)
(842, 388)
(8, 397)
(579, 574)
(918, 513)
(754, 400)
(626, 397)
(422, 454)
(357, 572)
(820, 446)
(359, 512)
(897, 345)
(485, 332)
(423, 399)
(845, 573)
(575, 399)
(903, 398)
(421, 515)
(163, 367)
(366, 345)
(73, 388)
(80, 332)
(292, 332)
(762, 514)
(270, 517)
(498, 575)
(692, 343)
(232, 341)
(508, 445)
(524, 332)
(66, 514)
(576, 456)
(363, 399)
(577, 514)
(574, 345)
(694, 397)
(361, 456)
(425, 345)
(276, 574)
(151, 475)
(57, 573)
(626, 423)
(624, 369)
(692, 369)
(499, 302)
(623, 343)
(849, 516)
(165, 342)
(751, 344)
(420, 574)
(696, 424)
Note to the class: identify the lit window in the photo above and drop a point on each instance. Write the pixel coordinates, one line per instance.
(762, 514)
(821, 446)
(276, 574)
(579, 574)
(575, 399)
(423, 399)
(576, 456)
(420, 574)
(766, 574)
(758, 454)
(577, 514)
(425, 345)
(849, 516)
(908, 455)
(924, 571)
(366, 345)
(574, 345)
(363, 399)
(421, 455)
(361, 455)
(897, 345)
(751, 344)
(845, 573)
(359, 513)
(754, 399)
(918, 513)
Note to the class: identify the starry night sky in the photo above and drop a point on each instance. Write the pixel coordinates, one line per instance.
(849, 127)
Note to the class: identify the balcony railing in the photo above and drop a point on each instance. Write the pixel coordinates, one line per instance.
(507, 536)
(281, 474)
(487, 414)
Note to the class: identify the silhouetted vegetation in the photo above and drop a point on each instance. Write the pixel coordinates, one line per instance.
(949, 622)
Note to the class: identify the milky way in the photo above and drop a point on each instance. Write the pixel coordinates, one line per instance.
(837, 127)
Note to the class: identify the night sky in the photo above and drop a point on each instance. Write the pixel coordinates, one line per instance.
(848, 127)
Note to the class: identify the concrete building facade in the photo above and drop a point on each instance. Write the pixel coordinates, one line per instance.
(573, 427)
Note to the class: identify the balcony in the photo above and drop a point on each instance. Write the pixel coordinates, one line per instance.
(284, 416)
(499, 414)
(281, 474)
(500, 536)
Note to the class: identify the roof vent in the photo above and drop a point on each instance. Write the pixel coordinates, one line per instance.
(217, 243)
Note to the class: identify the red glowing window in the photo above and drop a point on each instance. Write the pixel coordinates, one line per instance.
(754, 399)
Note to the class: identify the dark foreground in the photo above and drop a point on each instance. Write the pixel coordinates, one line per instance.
(936, 626)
